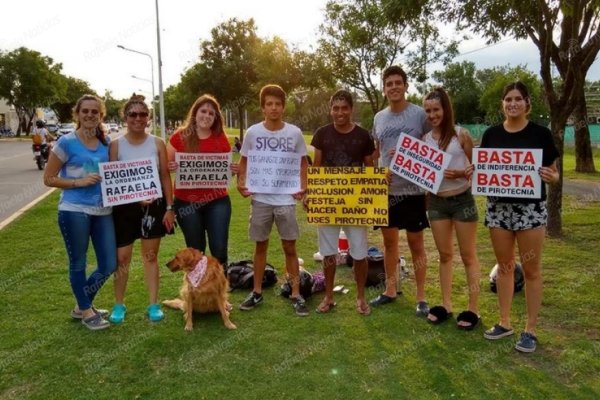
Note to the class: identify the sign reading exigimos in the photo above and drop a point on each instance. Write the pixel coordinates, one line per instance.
(347, 196)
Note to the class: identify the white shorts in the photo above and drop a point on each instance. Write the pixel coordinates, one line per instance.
(357, 240)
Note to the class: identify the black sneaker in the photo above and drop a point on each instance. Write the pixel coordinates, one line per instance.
(526, 343)
(497, 332)
(422, 309)
(251, 301)
(300, 306)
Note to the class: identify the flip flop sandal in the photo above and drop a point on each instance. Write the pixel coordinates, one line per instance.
(326, 308)
(469, 317)
(441, 314)
(363, 309)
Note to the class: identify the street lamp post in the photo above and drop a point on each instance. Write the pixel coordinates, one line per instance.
(152, 69)
(153, 97)
(160, 85)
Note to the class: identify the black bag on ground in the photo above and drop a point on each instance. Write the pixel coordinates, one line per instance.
(376, 271)
(306, 285)
(519, 278)
(240, 275)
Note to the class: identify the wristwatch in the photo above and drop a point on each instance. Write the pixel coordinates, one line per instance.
(169, 208)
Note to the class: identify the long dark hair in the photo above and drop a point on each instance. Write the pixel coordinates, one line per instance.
(447, 126)
(520, 86)
(100, 134)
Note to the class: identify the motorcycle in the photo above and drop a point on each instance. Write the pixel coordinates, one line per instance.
(40, 155)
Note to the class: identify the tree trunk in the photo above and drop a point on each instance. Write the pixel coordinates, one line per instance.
(584, 160)
(554, 199)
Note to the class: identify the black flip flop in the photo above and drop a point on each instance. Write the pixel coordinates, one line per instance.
(470, 317)
(440, 313)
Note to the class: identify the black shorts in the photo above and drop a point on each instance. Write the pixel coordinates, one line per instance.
(407, 212)
(134, 221)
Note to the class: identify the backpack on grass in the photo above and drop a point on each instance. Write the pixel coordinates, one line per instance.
(240, 275)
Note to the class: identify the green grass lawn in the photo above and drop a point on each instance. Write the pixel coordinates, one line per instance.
(275, 354)
(569, 165)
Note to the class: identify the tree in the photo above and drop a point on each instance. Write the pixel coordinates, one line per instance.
(584, 159)
(230, 57)
(113, 107)
(358, 42)
(30, 80)
(567, 35)
(75, 89)
(461, 83)
(493, 81)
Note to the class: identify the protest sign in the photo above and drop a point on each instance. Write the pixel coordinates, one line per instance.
(274, 172)
(203, 170)
(129, 181)
(419, 163)
(347, 196)
(507, 173)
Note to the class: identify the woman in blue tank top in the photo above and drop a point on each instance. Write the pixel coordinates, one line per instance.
(73, 167)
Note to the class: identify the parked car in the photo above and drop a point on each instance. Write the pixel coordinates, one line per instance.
(52, 128)
(64, 129)
(113, 127)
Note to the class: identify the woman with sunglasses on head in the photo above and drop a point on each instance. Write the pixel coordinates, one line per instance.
(203, 212)
(519, 220)
(146, 220)
(73, 167)
(452, 209)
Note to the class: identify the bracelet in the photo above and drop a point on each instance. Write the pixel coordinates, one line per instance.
(74, 183)
(169, 208)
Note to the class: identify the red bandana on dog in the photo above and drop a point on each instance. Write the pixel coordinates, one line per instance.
(196, 275)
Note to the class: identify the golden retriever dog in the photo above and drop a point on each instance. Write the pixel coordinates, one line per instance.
(204, 289)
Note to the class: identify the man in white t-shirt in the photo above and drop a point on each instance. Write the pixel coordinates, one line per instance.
(273, 134)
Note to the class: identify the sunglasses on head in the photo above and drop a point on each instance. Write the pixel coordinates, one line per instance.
(87, 111)
(141, 114)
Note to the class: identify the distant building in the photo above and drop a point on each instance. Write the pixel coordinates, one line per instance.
(8, 116)
(592, 99)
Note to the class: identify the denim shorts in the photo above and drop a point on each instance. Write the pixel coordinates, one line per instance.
(461, 207)
(262, 217)
(516, 216)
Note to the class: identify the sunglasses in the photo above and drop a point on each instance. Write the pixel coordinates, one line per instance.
(87, 111)
(141, 114)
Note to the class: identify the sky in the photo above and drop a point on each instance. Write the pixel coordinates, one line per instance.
(83, 36)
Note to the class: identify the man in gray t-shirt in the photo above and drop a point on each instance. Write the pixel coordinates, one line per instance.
(406, 200)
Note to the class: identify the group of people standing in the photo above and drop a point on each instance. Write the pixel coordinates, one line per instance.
(451, 212)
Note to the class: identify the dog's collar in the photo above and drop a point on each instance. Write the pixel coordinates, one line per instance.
(196, 275)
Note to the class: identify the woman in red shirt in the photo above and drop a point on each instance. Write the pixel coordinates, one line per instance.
(202, 212)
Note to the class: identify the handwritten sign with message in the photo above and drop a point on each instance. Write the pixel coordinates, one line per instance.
(347, 196)
(274, 172)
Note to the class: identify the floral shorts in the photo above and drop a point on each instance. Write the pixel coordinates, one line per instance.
(516, 216)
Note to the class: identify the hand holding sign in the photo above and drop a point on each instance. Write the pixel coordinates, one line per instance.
(89, 180)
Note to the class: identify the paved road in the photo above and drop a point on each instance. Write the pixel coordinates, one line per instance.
(20, 179)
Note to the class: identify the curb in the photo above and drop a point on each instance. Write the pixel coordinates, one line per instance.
(25, 208)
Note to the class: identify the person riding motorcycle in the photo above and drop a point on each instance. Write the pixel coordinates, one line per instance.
(41, 137)
(40, 147)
